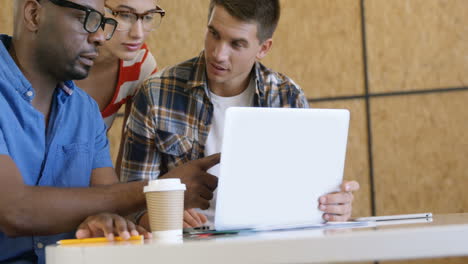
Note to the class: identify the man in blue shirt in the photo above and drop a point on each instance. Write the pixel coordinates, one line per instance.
(52, 137)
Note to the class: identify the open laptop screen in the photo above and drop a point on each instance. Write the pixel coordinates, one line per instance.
(276, 163)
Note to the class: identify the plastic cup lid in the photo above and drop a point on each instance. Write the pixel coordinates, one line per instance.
(164, 185)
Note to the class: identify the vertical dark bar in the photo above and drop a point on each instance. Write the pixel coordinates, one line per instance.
(368, 110)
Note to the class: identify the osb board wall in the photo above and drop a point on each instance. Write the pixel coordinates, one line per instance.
(417, 141)
(182, 30)
(417, 44)
(6, 19)
(420, 156)
(321, 53)
(425, 154)
(318, 44)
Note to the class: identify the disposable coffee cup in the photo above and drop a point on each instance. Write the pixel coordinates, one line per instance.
(165, 202)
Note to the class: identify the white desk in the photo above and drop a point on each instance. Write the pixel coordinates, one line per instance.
(445, 236)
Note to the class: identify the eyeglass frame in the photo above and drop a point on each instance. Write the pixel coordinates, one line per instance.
(104, 20)
(139, 16)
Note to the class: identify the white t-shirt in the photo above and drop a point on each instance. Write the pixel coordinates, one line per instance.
(215, 135)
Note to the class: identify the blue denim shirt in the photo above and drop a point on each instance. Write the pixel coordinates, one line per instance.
(63, 154)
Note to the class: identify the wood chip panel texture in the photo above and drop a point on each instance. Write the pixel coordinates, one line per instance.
(417, 44)
(421, 153)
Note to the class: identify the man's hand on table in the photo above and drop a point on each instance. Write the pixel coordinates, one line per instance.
(338, 206)
(109, 225)
(200, 184)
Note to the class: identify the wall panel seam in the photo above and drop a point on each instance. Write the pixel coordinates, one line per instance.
(368, 111)
(389, 94)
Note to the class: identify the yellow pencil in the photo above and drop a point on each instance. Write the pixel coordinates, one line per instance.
(96, 240)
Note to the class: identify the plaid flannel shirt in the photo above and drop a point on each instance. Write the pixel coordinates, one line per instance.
(171, 116)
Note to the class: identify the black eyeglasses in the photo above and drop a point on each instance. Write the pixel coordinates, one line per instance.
(150, 19)
(93, 20)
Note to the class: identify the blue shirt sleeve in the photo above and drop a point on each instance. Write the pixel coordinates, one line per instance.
(102, 158)
(3, 146)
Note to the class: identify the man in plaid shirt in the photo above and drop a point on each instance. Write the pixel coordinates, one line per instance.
(178, 115)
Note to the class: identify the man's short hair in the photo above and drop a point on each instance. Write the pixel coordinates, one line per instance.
(265, 13)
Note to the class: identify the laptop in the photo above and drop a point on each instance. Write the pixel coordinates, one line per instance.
(276, 163)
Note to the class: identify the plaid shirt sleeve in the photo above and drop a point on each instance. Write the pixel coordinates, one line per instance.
(278, 90)
(293, 95)
(299, 100)
(140, 158)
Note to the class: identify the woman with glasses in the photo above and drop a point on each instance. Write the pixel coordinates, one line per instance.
(124, 61)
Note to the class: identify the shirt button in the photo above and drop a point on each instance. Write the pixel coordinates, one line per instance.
(40, 245)
(29, 93)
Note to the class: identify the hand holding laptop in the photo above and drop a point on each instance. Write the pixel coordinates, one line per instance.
(338, 206)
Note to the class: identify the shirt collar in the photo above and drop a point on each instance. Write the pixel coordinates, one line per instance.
(258, 78)
(26, 89)
(68, 87)
(198, 75)
(11, 71)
